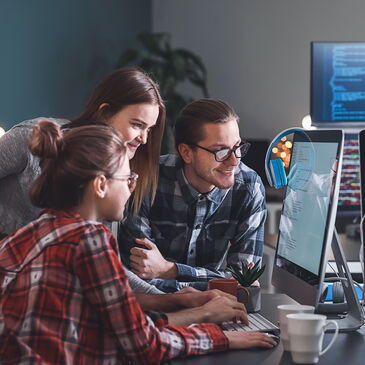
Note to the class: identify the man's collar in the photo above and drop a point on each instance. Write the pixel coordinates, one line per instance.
(191, 195)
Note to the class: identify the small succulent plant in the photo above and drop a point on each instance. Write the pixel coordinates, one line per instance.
(248, 273)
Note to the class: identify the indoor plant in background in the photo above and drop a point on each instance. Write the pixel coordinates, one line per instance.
(170, 68)
(249, 291)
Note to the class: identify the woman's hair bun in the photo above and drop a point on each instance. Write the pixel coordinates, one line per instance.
(46, 140)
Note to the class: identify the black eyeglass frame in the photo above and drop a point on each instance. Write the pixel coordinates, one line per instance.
(243, 146)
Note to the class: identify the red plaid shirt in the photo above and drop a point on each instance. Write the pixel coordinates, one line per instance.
(65, 299)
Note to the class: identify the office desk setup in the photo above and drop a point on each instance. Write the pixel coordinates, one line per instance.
(307, 239)
(349, 347)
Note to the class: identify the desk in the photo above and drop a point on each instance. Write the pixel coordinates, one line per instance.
(349, 348)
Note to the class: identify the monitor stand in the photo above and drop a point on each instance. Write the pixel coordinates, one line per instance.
(353, 319)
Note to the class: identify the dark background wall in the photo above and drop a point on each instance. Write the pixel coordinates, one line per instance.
(53, 53)
(257, 53)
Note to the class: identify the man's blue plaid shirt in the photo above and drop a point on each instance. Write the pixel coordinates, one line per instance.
(198, 231)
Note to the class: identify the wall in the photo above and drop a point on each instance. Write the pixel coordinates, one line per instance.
(257, 53)
(53, 53)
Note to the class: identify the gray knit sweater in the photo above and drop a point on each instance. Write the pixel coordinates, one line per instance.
(18, 169)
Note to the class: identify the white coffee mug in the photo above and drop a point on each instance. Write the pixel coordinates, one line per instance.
(284, 310)
(306, 333)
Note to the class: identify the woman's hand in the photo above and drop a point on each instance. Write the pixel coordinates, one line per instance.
(245, 340)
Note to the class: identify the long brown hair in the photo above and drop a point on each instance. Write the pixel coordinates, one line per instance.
(70, 160)
(128, 86)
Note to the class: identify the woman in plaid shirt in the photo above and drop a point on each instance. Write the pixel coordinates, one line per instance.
(65, 297)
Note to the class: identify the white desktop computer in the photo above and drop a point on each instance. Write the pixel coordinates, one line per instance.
(307, 225)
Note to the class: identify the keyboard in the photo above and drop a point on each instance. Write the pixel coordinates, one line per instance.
(256, 322)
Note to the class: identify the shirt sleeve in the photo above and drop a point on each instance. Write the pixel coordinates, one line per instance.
(133, 226)
(105, 284)
(248, 243)
(13, 151)
(139, 285)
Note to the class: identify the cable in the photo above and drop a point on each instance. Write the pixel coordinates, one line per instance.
(334, 271)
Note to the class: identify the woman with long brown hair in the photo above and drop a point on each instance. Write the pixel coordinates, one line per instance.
(129, 100)
(65, 297)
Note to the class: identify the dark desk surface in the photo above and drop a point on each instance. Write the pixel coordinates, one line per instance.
(349, 348)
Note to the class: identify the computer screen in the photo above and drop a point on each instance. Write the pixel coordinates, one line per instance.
(337, 83)
(349, 200)
(308, 215)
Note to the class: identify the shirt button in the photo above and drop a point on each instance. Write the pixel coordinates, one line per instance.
(191, 251)
(198, 226)
(201, 197)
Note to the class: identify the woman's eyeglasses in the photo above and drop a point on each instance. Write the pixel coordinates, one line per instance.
(131, 180)
(225, 153)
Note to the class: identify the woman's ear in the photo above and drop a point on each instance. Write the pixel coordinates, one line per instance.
(101, 106)
(185, 152)
(100, 186)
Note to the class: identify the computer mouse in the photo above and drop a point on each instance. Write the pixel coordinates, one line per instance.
(275, 337)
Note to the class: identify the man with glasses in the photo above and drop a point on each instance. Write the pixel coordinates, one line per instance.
(208, 207)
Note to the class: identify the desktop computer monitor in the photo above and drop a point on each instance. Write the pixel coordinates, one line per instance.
(337, 90)
(308, 215)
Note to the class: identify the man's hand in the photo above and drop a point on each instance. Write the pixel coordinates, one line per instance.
(197, 298)
(148, 263)
(221, 309)
(188, 290)
(217, 310)
(183, 299)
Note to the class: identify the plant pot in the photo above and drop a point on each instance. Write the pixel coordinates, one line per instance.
(250, 297)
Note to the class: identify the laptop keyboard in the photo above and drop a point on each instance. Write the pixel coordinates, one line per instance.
(256, 322)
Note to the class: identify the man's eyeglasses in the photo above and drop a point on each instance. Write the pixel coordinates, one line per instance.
(131, 180)
(225, 153)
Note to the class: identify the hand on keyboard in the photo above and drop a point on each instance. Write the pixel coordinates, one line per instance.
(221, 309)
(244, 340)
(256, 322)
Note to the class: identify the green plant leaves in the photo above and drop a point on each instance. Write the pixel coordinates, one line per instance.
(155, 43)
(247, 275)
(195, 70)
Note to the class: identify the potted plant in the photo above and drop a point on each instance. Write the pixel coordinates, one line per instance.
(170, 68)
(249, 290)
